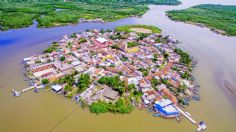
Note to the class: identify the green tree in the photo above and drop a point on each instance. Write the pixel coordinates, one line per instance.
(131, 87)
(68, 88)
(45, 81)
(113, 82)
(62, 58)
(74, 35)
(166, 55)
(83, 82)
(155, 82)
(99, 107)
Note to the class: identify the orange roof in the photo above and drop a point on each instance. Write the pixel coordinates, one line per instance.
(166, 92)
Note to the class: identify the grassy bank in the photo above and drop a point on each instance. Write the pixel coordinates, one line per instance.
(128, 28)
(18, 14)
(219, 18)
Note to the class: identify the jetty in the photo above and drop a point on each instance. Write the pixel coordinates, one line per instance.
(201, 126)
(26, 89)
(186, 115)
(18, 93)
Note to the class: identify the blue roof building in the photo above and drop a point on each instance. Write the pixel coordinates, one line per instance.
(166, 108)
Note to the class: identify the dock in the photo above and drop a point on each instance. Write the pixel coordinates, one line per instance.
(18, 93)
(200, 127)
(186, 115)
(26, 89)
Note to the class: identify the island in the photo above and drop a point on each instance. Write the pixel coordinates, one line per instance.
(115, 70)
(132, 66)
(219, 18)
(51, 13)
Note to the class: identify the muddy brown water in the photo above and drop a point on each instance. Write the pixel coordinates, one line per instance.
(47, 111)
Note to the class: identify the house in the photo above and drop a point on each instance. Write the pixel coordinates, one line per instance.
(101, 42)
(166, 108)
(167, 93)
(133, 80)
(76, 63)
(56, 88)
(43, 70)
(132, 49)
(63, 67)
(110, 93)
(144, 84)
(37, 68)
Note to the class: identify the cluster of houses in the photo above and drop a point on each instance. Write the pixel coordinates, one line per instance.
(137, 61)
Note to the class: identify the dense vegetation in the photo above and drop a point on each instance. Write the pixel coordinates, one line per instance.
(66, 79)
(184, 57)
(113, 82)
(127, 28)
(49, 13)
(83, 83)
(45, 81)
(51, 48)
(220, 18)
(121, 106)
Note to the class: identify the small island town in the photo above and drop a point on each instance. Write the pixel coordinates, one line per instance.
(117, 65)
(117, 71)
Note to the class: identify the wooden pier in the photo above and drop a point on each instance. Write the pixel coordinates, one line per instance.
(26, 89)
(200, 127)
(186, 115)
(18, 93)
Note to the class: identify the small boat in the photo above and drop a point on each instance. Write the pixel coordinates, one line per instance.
(77, 98)
(15, 93)
(156, 115)
(201, 126)
(149, 110)
(178, 119)
(36, 90)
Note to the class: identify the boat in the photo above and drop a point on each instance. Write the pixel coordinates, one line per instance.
(36, 90)
(149, 110)
(15, 93)
(201, 126)
(156, 115)
(178, 119)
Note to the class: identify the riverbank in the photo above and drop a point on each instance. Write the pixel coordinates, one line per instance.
(219, 18)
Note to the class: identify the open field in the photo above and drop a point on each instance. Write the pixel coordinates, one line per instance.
(139, 28)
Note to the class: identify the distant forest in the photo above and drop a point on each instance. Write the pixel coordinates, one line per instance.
(50, 13)
(219, 18)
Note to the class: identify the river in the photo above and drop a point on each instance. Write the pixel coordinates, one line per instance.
(47, 111)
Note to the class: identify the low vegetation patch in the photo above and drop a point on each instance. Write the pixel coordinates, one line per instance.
(121, 106)
(138, 28)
